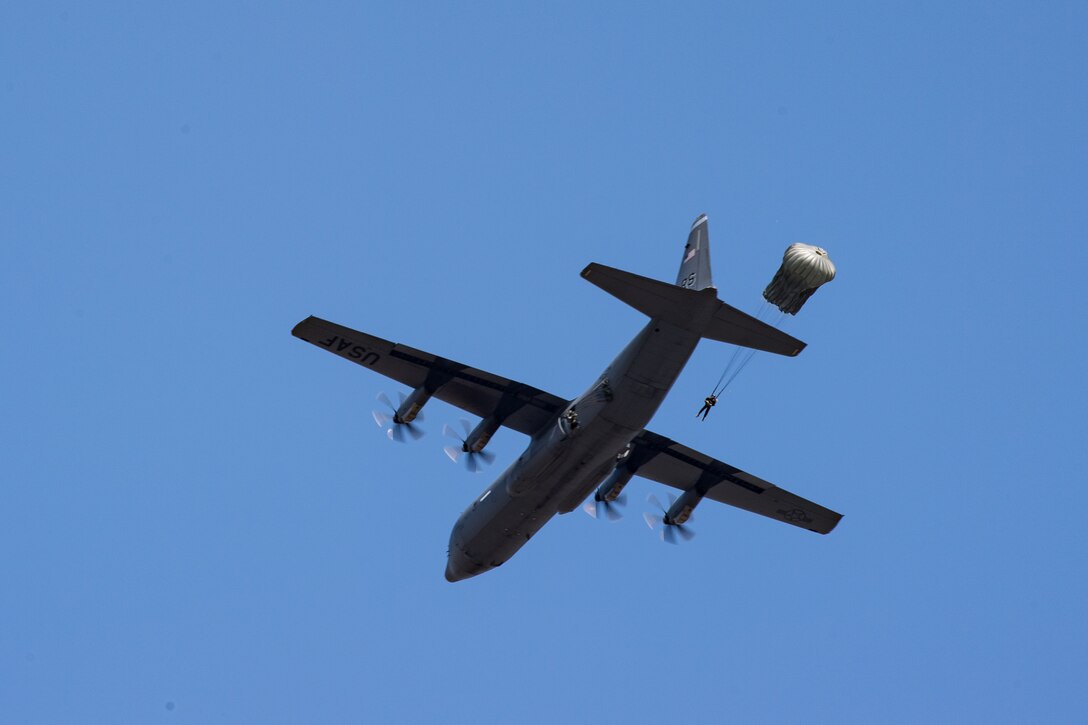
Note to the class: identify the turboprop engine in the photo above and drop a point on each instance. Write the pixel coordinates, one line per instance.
(472, 442)
(609, 495)
(404, 415)
(672, 521)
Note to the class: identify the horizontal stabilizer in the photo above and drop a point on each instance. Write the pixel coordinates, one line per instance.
(651, 297)
(700, 311)
(733, 326)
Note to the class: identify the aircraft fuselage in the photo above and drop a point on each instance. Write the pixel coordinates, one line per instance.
(571, 455)
(599, 438)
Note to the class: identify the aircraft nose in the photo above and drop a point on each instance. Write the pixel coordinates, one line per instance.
(459, 567)
(452, 573)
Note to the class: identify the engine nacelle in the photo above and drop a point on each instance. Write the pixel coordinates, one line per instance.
(682, 508)
(613, 485)
(480, 436)
(409, 409)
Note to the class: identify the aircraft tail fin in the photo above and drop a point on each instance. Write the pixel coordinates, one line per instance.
(695, 266)
(700, 312)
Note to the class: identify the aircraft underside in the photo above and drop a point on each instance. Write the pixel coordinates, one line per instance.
(597, 440)
(567, 460)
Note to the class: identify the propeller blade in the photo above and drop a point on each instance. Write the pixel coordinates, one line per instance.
(611, 509)
(653, 501)
(396, 430)
(396, 433)
(473, 459)
(669, 532)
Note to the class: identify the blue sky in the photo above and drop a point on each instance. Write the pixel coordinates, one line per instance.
(201, 524)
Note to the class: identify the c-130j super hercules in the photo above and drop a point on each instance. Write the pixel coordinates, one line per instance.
(598, 440)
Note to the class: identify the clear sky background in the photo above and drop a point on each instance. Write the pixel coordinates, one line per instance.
(200, 523)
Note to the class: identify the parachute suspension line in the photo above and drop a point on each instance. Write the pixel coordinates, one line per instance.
(738, 353)
(728, 368)
(742, 355)
(764, 310)
(743, 364)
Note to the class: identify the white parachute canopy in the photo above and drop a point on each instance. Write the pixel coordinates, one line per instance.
(804, 268)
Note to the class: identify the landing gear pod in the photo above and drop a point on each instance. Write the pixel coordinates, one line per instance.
(804, 268)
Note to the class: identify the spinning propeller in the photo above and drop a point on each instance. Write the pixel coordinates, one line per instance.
(472, 458)
(669, 530)
(396, 431)
(611, 509)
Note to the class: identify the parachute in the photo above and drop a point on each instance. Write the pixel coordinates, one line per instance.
(804, 268)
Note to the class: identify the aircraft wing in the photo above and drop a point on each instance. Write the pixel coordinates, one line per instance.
(663, 460)
(518, 406)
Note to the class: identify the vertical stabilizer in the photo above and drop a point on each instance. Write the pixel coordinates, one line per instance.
(695, 267)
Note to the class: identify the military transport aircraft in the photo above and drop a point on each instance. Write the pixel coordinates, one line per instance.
(598, 439)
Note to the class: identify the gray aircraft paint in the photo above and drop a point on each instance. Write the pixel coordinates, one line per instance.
(562, 466)
(695, 264)
(564, 461)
